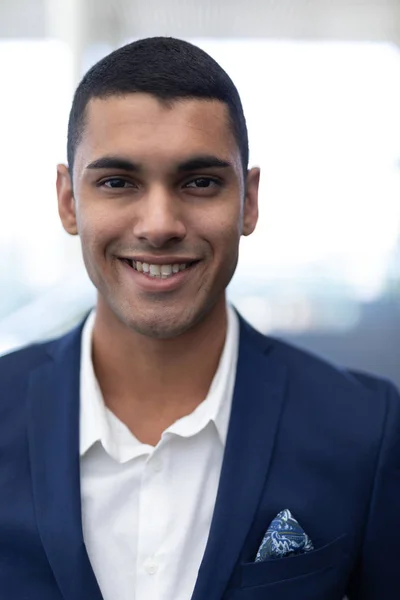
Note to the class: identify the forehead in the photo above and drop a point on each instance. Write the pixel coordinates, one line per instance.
(144, 127)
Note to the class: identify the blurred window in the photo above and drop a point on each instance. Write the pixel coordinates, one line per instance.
(324, 125)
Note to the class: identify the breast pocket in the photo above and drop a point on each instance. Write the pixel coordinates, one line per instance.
(321, 573)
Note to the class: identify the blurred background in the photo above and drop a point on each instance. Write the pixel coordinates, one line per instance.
(320, 84)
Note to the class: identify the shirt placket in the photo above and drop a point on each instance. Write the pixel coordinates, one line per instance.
(152, 522)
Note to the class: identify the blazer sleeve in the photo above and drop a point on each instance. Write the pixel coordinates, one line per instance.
(377, 575)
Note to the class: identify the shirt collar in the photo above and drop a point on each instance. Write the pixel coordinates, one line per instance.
(216, 407)
(95, 424)
(92, 424)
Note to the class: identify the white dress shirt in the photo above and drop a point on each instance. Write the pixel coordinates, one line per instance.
(147, 510)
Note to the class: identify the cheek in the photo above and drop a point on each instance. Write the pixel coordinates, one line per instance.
(89, 237)
(222, 235)
(224, 230)
(225, 215)
(96, 231)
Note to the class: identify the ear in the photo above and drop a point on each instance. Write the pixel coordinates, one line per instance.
(250, 208)
(66, 201)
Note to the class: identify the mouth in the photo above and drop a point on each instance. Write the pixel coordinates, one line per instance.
(158, 271)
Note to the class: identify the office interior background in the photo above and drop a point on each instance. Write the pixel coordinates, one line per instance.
(320, 84)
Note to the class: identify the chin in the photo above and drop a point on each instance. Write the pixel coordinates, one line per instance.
(159, 330)
(159, 324)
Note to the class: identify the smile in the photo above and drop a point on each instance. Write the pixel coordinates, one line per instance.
(158, 271)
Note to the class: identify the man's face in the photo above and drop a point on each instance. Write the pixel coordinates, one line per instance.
(159, 203)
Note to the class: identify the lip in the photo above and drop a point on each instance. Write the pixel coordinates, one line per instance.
(155, 284)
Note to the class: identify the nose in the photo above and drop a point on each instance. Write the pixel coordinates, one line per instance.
(159, 220)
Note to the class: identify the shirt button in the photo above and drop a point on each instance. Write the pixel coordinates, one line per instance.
(151, 566)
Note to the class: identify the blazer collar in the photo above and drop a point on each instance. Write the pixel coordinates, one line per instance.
(53, 436)
(256, 409)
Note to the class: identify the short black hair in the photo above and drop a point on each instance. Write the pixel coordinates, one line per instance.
(168, 69)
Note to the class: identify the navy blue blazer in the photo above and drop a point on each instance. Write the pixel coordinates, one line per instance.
(303, 435)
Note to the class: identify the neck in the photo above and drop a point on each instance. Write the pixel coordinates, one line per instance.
(145, 380)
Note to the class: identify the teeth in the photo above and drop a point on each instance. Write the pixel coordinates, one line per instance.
(166, 270)
(155, 271)
(159, 271)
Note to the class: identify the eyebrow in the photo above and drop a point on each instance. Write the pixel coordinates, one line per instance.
(203, 162)
(113, 162)
(192, 164)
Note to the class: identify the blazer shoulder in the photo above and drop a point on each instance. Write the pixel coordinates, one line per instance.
(312, 364)
(23, 360)
(313, 370)
(364, 404)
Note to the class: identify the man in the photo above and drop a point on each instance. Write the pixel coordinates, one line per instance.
(164, 449)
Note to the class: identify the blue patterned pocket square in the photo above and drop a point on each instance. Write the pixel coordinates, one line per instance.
(284, 537)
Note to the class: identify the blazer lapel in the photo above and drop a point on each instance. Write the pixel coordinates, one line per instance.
(54, 453)
(256, 409)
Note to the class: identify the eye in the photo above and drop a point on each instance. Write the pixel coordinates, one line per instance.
(203, 183)
(116, 183)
